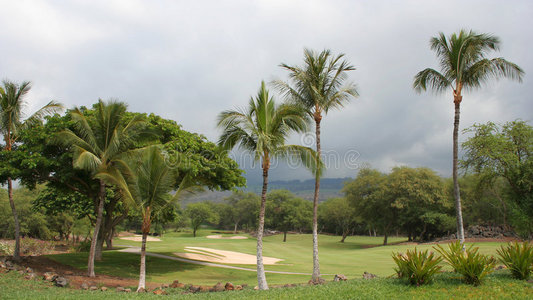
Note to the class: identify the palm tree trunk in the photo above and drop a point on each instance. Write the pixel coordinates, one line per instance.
(92, 252)
(456, 193)
(261, 278)
(142, 274)
(16, 253)
(316, 264)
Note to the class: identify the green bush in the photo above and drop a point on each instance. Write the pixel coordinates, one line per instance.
(469, 263)
(518, 258)
(84, 246)
(29, 246)
(6, 249)
(418, 267)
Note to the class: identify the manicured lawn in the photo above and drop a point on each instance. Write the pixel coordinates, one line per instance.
(446, 286)
(351, 258)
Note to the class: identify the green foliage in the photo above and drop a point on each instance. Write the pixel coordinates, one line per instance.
(286, 212)
(336, 215)
(518, 257)
(83, 246)
(418, 267)
(505, 151)
(240, 210)
(35, 247)
(200, 213)
(472, 265)
(6, 248)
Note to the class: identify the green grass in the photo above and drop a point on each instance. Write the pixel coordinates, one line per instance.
(351, 258)
(446, 286)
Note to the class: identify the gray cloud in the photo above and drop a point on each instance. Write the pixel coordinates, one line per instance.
(190, 60)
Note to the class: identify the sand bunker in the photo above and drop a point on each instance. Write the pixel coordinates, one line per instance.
(139, 238)
(223, 256)
(233, 237)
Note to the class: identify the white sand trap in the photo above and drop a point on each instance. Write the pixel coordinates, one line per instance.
(225, 257)
(233, 237)
(139, 238)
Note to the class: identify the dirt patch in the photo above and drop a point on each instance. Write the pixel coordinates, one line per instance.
(139, 238)
(225, 257)
(219, 236)
(76, 277)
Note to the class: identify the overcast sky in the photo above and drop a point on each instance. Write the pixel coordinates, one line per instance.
(189, 60)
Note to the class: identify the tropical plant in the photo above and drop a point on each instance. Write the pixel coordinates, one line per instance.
(262, 129)
(518, 258)
(418, 267)
(99, 144)
(200, 213)
(150, 188)
(464, 66)
(468, 262)
(11, 123)
(317, 86)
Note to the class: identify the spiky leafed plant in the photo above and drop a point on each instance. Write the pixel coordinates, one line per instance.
(318, 87)
(150, 188)
(464, 66)
(262, 128)
(11, 123)
(99, 143)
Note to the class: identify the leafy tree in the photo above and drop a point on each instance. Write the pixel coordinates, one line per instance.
(464, 66)
(505, 151)
(150, 188)
(200, 213)
(287, 212)
(11, 123)
(366, 193)
(262, 129)
(419, 195)
(338, 216)
(317, 86)
(242, 209)
(99, 145)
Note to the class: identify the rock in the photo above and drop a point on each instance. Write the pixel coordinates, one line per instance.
(256, 288)
(120, 289)
(194, 288)
(501, 267)
(29, 276)
(29, 270)
(238, 287)
(244, 285)
(84, 286)
(218, 287)
(60, 281)
(3, 265)
(204, 288)
(340, 277)
(141, 290)
(69, 273)
(174, 284)
(229, 286)
(164, 286)
(127, 290)
(49, 276)
(95, 288)
(21, 272)
(367, 275)
(160, 292)
(103, 289)
(316, 281)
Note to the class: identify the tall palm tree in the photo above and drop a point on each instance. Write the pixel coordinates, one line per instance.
(464, 66)
(150, 188)
(318, 87)
(11, 123)
(262, 129)
(100, 143)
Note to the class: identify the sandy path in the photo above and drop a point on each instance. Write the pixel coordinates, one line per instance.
(219, 236)
(139, 238)
(137, 250)
(225, 257)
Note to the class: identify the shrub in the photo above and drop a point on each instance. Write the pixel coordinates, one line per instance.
(6, 249)
(518, 258)
(29, 246)
(84, 246)
(469, 263)
(418, 267)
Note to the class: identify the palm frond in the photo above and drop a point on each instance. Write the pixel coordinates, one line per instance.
(430, 78)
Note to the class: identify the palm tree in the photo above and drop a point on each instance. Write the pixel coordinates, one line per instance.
(318, 87)
(99, 144)
(11, 124)
(153, 181)
(262, 129)
(463, 67)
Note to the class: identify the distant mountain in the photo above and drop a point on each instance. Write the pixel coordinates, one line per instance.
(329, 188)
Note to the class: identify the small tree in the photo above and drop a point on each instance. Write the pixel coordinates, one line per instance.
(200, 213)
